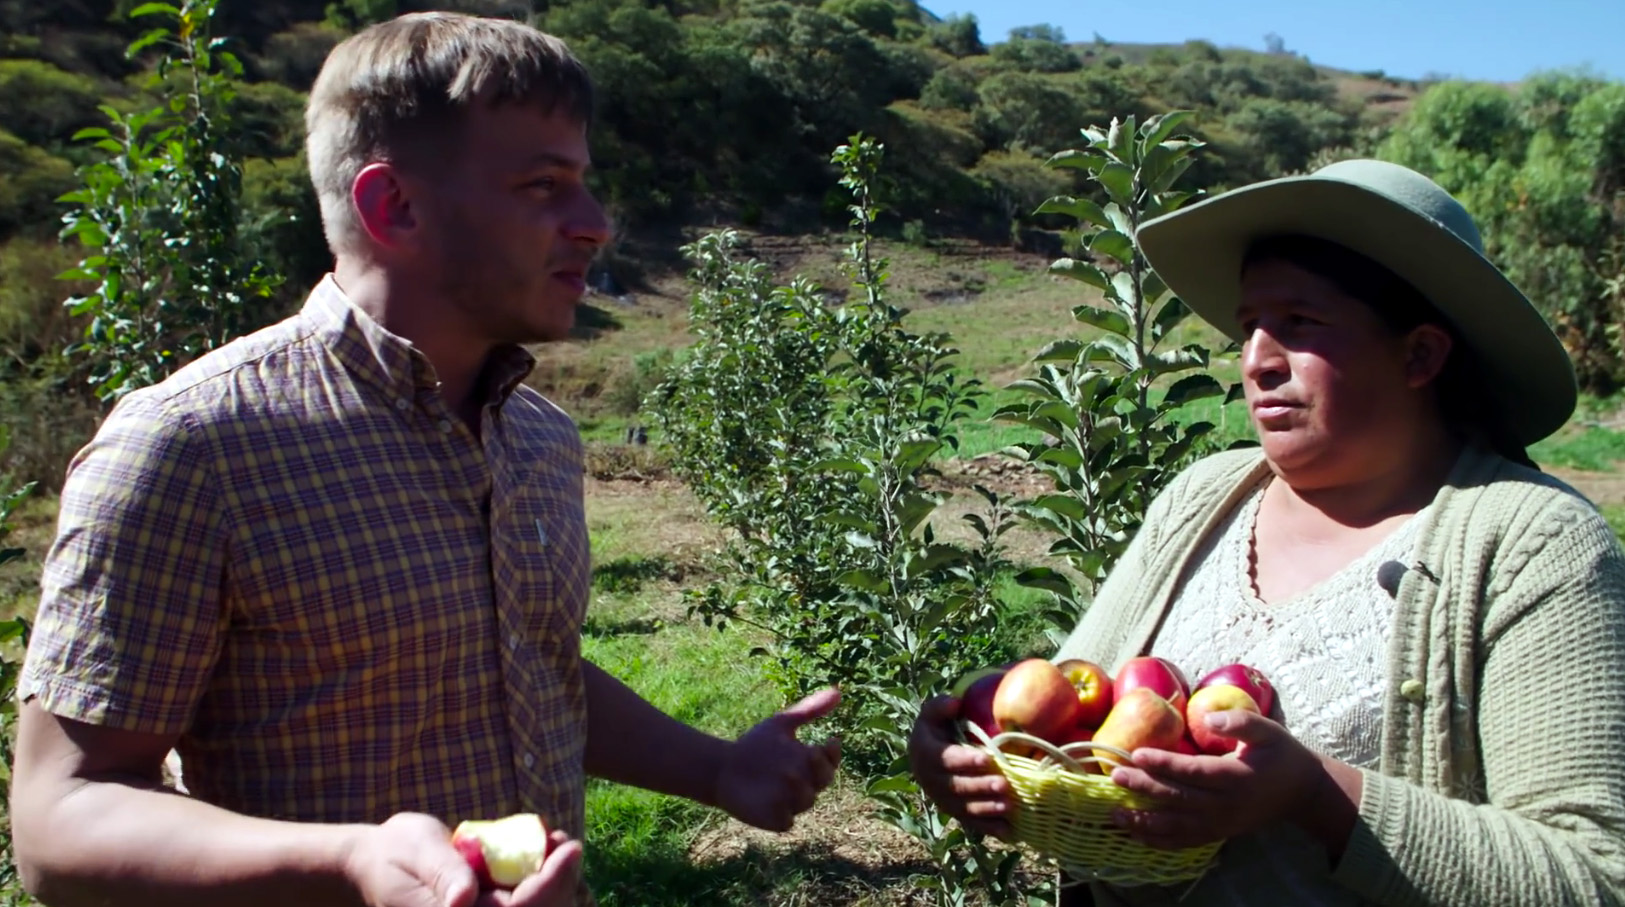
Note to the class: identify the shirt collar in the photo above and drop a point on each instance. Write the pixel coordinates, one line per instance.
(389, 360)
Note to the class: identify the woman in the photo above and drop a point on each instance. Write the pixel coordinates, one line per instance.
(1445, 626)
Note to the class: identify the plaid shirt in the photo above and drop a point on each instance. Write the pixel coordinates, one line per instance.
(293, 555)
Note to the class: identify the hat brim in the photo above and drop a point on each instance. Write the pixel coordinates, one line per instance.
(1198, 252)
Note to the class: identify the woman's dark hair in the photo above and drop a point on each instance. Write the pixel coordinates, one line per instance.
(1464, 401)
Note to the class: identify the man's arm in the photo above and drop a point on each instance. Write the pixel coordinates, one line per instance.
(91, 818)
(689, 759)
(765, 778)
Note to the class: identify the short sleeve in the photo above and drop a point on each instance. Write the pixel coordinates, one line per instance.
(130, 621)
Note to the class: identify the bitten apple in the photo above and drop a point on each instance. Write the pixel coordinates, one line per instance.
(502, 852)
(1035, 698)
(1247, 678)
(1162, 676)
(1094, 686)
(1217, 698)
(1141, 718)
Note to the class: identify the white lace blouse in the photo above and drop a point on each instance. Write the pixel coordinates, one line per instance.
(1325, 650)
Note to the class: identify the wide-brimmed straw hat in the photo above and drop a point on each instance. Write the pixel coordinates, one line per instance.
(1405, 222)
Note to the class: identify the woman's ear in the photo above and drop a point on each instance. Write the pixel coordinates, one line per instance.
(1427, 348)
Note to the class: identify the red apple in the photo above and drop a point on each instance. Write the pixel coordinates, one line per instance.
(1094, 686)
(976, 705)
(1035, 698)
(502, 852)
(1207, 700)
(1162, 676)
(1078, 733)
(1247, 678)
(1141, 718)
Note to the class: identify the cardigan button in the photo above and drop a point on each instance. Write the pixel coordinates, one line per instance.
(1412, 690)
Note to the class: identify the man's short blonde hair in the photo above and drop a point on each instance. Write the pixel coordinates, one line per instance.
(399, 90)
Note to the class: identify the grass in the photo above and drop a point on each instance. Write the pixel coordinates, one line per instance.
(1586, 447)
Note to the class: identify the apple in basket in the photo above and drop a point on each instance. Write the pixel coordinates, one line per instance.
(1162, 676)
(1249, 679)
(1141, 718)
(1035, 698)
(1094, 686)
(1217, 698)
(502, 852)
(975, 692)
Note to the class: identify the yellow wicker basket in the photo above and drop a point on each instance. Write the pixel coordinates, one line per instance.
(1063, 814)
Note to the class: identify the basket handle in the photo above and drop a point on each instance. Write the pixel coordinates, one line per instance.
(1061, 755)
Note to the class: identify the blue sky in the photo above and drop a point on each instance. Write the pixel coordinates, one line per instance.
(1495, 40)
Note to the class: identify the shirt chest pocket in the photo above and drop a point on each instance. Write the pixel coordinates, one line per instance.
(543, 565)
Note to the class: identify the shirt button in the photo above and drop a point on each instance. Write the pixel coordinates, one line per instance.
(529, 760)
(401, 404)
(445, 426)
(513, 640)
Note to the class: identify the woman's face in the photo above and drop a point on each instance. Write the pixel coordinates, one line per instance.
(1334, 395)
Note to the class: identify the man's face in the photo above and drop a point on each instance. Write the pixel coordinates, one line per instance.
(509, 227)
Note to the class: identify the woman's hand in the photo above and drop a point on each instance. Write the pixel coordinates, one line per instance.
(1270, 778)
(961, 779)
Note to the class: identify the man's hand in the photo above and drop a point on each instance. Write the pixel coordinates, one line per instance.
(408, 861)
(960, 779)
(769, 777)
(1270, 778)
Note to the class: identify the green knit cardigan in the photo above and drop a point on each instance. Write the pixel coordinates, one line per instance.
(1502, 770)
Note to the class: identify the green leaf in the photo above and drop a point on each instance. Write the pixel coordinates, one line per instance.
(1063, 457)
(860, 540)
(1056, 351)
(1176, 360)
(1120, 220)
(1081, 209)
(1112, 348)
(841, 464)
(147, 40)
(1075, 159)
(1087, 272)
(866, 580)
(1115, 244)
(1169, 316)
(1192, 388)
(1104, 319)
(1124, 288)
(1057, 411)
(1158, 128)
(152, 9)
(1119, 182)
(16, 628)
(1045, 578)
(913, 454)
(1063, 504)
(891, 785)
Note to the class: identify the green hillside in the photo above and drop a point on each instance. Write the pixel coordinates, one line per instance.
(725, 111)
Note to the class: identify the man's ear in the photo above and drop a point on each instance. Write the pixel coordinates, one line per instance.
(383, 207)
(1426, 349)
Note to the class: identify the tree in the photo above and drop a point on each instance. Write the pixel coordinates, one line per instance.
(958, 35)
(161, 213)
(1543, 173)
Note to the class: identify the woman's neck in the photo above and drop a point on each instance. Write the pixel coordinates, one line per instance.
(1408, 481)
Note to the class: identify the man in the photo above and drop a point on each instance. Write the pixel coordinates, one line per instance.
(340, 565)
